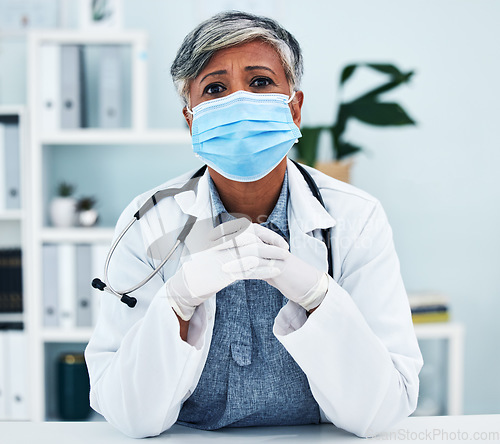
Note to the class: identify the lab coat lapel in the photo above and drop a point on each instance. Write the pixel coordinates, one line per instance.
(195, 203)
(306, 216)
(198, 203)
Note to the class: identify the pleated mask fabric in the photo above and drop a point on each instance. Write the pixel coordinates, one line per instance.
(244, 135)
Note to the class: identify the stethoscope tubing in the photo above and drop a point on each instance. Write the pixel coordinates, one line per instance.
(131, 301)
(123, 295)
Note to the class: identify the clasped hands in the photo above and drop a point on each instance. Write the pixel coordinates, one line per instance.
(239, 249)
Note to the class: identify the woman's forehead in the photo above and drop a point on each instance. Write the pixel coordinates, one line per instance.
(249, 54)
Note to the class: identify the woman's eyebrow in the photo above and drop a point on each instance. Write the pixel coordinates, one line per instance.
(215, 73)
(255, 67)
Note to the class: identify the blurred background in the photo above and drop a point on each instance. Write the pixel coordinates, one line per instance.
(436, 178)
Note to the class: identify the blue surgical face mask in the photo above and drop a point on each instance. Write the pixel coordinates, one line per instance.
(244, 135)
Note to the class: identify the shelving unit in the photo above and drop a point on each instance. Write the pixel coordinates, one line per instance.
(76, 235)
(46, 342)
(123, 137)
(13, 222)
(11, 214)
(63, 336)
(453, 334)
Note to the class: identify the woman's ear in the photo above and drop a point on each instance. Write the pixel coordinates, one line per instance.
(296, 107)
(188, 117)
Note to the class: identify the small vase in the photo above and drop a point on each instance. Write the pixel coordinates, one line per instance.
(63, 211)
(88, 218)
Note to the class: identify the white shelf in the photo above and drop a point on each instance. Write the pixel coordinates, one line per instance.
(11, 215)
(438, 330)
(117, 137)
(11, 317)
(10, 110)
(77, 235)
(66, 335)
(13, 33)
(102, 37)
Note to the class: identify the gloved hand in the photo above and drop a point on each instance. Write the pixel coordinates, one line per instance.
(297, 280)
(233, 252)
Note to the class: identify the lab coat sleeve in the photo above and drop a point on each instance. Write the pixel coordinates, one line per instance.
(358, 348)
(140, 369)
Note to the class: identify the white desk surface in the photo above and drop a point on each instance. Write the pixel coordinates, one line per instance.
(473, 428)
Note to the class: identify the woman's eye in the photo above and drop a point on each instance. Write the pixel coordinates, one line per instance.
(214, 88)
(261, 82)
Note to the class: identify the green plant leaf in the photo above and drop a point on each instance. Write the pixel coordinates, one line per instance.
(86, 203)
(386, 69)
(65, 189)
(308, 144)
(376, 113)
(339, 127)
(368, 108)
(347, 72)
(385, 87)
(344, 149)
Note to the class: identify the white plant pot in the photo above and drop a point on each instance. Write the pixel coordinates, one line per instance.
(88, 218)
(63, 211)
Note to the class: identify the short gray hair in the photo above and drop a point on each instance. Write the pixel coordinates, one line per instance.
(228, 29)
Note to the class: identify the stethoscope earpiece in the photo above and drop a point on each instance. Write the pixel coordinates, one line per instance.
(125, 298)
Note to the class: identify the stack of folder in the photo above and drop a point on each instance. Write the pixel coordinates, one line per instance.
(69, 300)
(10, 197)
(429, 307)
(66, 71)
(13, 375)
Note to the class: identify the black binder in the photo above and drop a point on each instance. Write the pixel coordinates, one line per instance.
(11, 300)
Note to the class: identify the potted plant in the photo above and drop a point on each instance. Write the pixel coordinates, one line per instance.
(367, 108)
(63, 206)
(87, 214)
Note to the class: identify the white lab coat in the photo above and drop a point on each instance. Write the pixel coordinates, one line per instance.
(358, 349)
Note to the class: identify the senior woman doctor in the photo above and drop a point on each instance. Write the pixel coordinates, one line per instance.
(254, 331)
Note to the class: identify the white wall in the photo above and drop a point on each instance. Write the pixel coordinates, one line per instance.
(437, 181)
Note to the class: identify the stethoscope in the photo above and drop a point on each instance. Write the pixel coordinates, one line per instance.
(159, 195)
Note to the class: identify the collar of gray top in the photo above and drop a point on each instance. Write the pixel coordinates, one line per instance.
(277, 220)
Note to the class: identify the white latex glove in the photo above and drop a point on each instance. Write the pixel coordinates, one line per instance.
(233, 252)
(297, 280)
